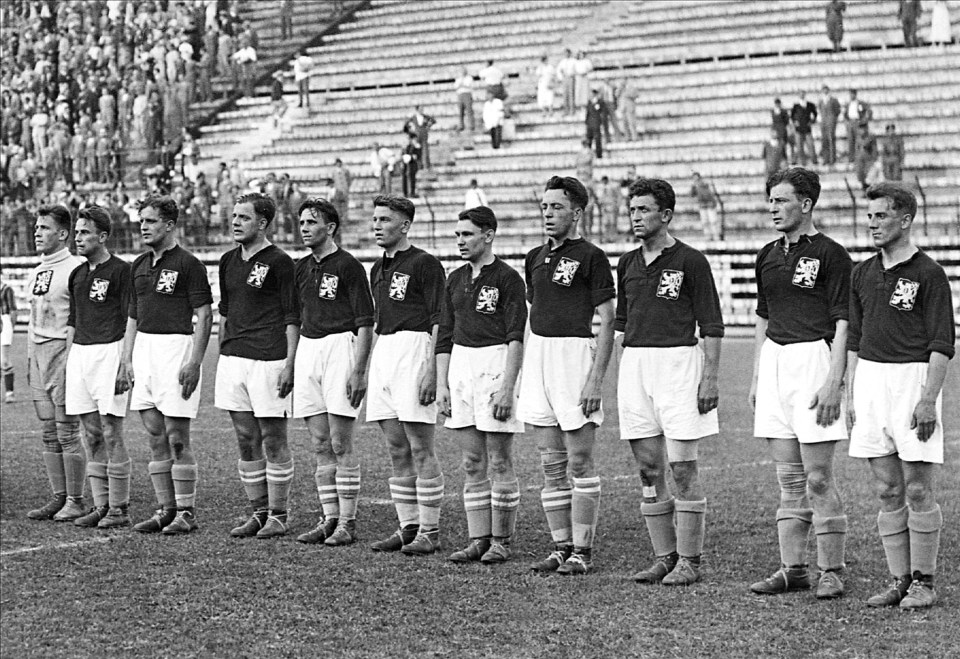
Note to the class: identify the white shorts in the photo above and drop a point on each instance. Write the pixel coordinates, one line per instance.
(475, 378)
(790, 376)
(320, 375)
(157, 360)
(657, 394)
(91, 379)
(395, 367)
(555, 368)
(6, 334)
(884, 397)
(250, 385)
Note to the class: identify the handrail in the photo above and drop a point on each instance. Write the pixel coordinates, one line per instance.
(923, 198)
(723, 212)
(853, 205)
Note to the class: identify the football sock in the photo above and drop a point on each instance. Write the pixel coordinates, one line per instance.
(691, 527)
(403, 491)
(585, 510)
(429, 497)
(118, 474)
(924, 539)
(55, 472)
(556, 496)
(253, 475)
(476, 504)
(895, 537)
(325, 477)
(348, 491)
(279, 480)
(99, 485)
(162, 481)
(75, 471)
(49, 437)
(660, 525)
(184, 485)
(793, 526)
(793, 485)
(505, 500)
(831, 535)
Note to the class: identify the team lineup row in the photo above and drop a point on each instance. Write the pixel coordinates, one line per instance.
(870, 343)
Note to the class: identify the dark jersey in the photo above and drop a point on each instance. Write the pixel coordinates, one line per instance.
(258, 299)
(565, 285)
(334, 295)
(804, 292)
(487, 311)
(99, 301)
(407, 291)
(659, 305)
(903, 313)
(168, 292)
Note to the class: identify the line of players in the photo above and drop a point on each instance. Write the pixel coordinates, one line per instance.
(295, 340)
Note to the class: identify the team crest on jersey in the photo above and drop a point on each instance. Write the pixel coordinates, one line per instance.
(42, 284)
(805, 276)
(258, 274)
(328, 286)
(487, 299)
(98, 289)
(905, 294)
(670, 282)
(566, 269)
(167, 281)
(398, 286)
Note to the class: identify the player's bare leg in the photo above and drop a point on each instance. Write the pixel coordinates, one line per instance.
(403, 486)
(476, 494)
(556, 494)
(504, 496)
(160, 466)
(280, 470)
(429, 487)
(657, 508)
(252, 467)
(337, 479)
(829, 521)
(108, 469)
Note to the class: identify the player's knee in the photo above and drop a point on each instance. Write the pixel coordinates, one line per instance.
(68, 434)
(473, 465)
(891, 495)
(49, 436)
(581, 465)
(500, 466)
(919, 495)
(819, 483)
(554, 465)
(687, 477)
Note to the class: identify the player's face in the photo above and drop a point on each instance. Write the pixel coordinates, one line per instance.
(153, 230)
(89, 241)
(559, 216)
(389, 226)
(472, 242)
(646, 217)
(886, 225)
(47, 236)
(786, 208)
(246, 225)
(313, 230)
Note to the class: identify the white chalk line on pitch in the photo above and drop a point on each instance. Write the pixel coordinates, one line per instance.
(58, 545)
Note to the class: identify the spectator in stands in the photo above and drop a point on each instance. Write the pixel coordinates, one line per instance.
(340, 197)
(246, 58)
(774, 153)
(707, 202)
(492, 78)
(301, 73)
(464, 90)
(585, 160)
(411, 156)
(381, 165)
(294, 199)
(276, 98)
(835, 9)
(780, 122)
(546, 77)
(286, 19)
(909, 14)
(858, 116)
(493, 116)
(866, 155)
(803, 115)
(418, 126)
(608, 202)
(226, 196)
(829, 113)
(202, 201)
(597, 112)
(566, 71)
(892, 154)
(581, 70)
(627, 102)
(474, 196)
(940, 31)
(609, 95)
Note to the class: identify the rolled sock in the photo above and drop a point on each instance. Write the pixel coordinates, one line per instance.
(429, 498)
(279, 480)
(505, 499)
(184, 485)
(162, 481)
(75, 470)
(253, 475)
(348, 491)
(68, 435)
(691, 527)
(118, 474)
(325, 477)
(793, 526)
(403, 491)
(895, 538)
(659, 518)
(831, 535)
(476, 504)
(99, 483)
(49, 437)
(585, 510)
(55, 472)
(924, 540)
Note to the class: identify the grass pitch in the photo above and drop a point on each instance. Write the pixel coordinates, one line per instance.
(70, 592)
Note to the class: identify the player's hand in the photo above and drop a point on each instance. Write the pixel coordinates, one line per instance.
(189, 378)
(356, 388)
(851, 412)
(708, 395)
(827, 403)
(590, 398)
(124, 379)
(924, 420)
(285, 381)
(503, 404)
(427, 386)
(443, 399)
(752, 396)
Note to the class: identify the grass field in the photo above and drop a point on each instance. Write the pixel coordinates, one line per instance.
(70, 592)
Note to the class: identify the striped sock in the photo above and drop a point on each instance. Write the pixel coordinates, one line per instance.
(160, 476)
(831, 535)
(279, 481)
(585, 510)
(556, 506)
(348, 491)
(924, 540)
(429, 497)
(184, 485)
(75, 472)
(326, 479)
(118, 474)
(691, 527)
(658, 517)
(476, 504)
(895, 537)
(505, 499)
(403, 491)
(99, 485)
(253, 475)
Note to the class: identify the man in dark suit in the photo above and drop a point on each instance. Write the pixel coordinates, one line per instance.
(858, 116)
(418, 126)
(597, 112)
(829, 112)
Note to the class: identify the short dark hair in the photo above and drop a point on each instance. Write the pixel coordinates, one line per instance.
(661, 191)
(60, 215)
(572, 188)
(900, 196)
(321, 209)
(263, 205)
(805, 182)
(165, 206)
(396, 203)
(98, 215)
(481, 216)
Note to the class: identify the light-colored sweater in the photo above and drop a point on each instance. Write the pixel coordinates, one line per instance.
(49, 293)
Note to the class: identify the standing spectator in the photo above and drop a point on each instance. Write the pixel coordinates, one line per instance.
(340, 198)
(866, 155)
(858, 116)
(411, 164)
(493, 118)
(584, 163)
(8, 318)
(566, 70)
(774, 154)
(246, 58)
(546, 76)
(202, 201)
(464, 89)
(780, 122)
(835, 9)
(582, 69)
(474, 196)
(706, 196)
(608, 199)
(804, 115)
(940, 31)
(418, 126)
(609, 96)
(492, 78)
(286, 19)
(909, 14)
(597, 112)
(829, 112)
(381, 164)
(627, 99)
(301, 73)
(892, 154)
(276, 98)
(204, 86)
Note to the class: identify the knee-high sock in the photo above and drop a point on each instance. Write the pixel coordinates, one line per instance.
(348, 491)
(325, 477)
(429, 497)
(793, 526)
(99, 483)
(279, 480)
(253, 475)
(691, 527)
(75, 470)
(585, 510)
(55, 472)
(660, 523)
(924, 540)
(476, 504)
(895, 537)
(162, 481)
(505, 500)
(118, 474)
(403, 491)
(556, 496)
(184, 484)
(831, 535)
